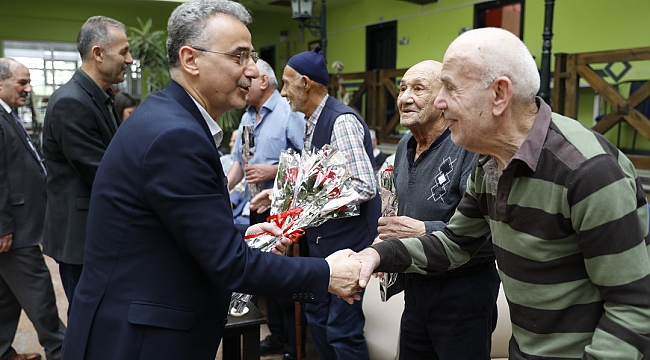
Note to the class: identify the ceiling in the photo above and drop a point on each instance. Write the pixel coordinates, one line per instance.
(283, 6)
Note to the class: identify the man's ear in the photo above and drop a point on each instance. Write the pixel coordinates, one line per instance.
(264, 81)
(306, 82)
(97, 53)
(502, 90)
(188, 60)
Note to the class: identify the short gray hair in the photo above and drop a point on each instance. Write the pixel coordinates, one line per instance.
(187, 24)
(5, 68)
(266, 69)
(95, 32)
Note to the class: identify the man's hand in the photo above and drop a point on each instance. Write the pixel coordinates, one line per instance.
(264, 227)
(261, 201)
(399, 227)
(370, 260)
(5, 242)
(260, 172)
(281, 246)
(345, 275)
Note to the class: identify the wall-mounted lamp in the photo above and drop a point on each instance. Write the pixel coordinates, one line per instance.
(302, 10)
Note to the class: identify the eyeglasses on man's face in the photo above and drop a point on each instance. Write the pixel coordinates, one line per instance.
(243, 56)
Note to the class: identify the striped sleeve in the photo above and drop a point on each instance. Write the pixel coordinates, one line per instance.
(441, 250)
(607, 208)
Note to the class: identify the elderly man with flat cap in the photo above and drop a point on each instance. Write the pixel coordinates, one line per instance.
(336, 326)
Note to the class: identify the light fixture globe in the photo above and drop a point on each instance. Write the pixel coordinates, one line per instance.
(302, 9)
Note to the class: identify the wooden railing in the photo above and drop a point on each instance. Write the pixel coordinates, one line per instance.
(373, 94)
(570, 68)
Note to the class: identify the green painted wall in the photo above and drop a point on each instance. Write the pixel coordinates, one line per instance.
(60, 20)
(579, 26)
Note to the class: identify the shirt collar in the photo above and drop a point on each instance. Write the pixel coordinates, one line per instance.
(531, 148)
(8, 108)
(104, 95)
(314, 116)
(268, 106)
(215, 129)
(411, 144)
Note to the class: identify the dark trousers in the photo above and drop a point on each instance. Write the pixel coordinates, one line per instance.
(281, 316)
(259, 218)
(280, 313)
(450, 319)
(70, 275)
(337, 329)
(25, 283)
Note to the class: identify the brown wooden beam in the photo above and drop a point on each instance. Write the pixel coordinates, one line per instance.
(571, 84)
(642, 53)
(559, 87)
(639, 122)
(640, 161)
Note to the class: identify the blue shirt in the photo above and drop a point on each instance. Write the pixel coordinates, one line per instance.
(278, 129)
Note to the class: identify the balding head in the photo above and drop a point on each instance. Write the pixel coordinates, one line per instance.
(493, 52)
(15, 82)
(418, 90)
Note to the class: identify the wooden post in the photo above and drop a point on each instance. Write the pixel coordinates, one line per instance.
(545, 86)
(559, 88)
(572, 82)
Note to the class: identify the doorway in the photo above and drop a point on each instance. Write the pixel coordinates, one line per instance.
(504, 14)
(381, 46)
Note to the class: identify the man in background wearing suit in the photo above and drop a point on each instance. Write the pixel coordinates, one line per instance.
(25, 281)
(162, 253)
(79, 123)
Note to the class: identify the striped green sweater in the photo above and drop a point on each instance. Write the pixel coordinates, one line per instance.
(569, 224)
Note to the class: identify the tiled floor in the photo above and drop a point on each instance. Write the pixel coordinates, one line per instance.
(26, 340)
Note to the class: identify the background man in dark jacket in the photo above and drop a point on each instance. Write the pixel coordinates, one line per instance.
(25, 281)
(79, 124)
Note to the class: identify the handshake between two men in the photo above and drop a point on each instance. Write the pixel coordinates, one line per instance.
(349, 271)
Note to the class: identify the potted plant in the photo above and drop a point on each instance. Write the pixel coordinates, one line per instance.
(148, 47)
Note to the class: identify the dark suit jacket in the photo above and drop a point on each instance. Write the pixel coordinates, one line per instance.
(162, 252)
(77, 129)
(22, 186)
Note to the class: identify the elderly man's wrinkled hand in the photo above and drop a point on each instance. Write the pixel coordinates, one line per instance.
(399, 227)
(260, 172)
(370, 260)
(261, 201)
(344, 281)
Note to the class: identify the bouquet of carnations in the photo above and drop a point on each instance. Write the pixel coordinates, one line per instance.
(309, 189)
(386, 186)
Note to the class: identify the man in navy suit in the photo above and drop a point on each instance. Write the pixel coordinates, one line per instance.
(25, 281)
(162, 252)
(79, 123)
